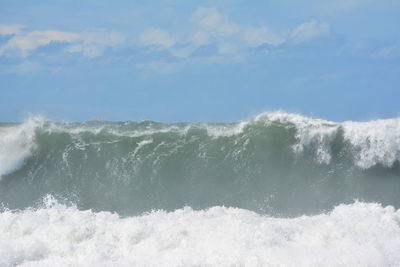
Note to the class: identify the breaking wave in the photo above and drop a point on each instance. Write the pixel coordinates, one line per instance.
(276, 163)
(279, 189)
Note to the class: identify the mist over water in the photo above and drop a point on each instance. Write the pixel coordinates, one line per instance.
(278, 179)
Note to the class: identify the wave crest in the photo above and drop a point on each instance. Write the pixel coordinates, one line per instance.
(262, 164)
(16, 144)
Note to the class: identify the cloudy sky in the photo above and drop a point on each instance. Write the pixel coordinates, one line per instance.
(179, 60)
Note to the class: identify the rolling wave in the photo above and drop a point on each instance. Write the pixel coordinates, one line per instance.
(276, 190)
(276, 163)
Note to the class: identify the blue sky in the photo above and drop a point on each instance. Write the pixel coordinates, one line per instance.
(199, 60)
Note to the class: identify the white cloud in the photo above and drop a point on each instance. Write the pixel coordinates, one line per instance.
(209, 19)
(85, 43)
(228, 29)
(229, 42)
(90, 51)
(227, 48)
(255, 36)
(10, 29)
(199, 38)
(91, 44)
(183, 52)
(209, 27)
(157, 37)
(388, 52)
(215, 28)
(309, 30)
(25, 43)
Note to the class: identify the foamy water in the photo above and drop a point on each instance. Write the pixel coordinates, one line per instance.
(17, 144)
(373, 142)
(358, 234)
(273, 164)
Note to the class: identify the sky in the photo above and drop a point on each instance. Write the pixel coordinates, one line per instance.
(216, 61)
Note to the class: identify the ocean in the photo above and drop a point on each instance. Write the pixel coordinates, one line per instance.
(278, 189)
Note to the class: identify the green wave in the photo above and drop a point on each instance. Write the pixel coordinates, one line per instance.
(285, 165)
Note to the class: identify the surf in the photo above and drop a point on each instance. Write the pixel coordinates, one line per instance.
(357, 234)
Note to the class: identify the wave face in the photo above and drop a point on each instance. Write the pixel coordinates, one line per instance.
(359, 234)
(275, 163)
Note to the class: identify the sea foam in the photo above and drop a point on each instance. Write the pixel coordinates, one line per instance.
(17, 143)
(358, 234)
(372, 142)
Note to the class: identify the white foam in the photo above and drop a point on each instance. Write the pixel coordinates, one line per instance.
(16, 144)
(359, 234)
(140, 145)
(76, 130)
(374, 141)
(224, 130)
(309, 132)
